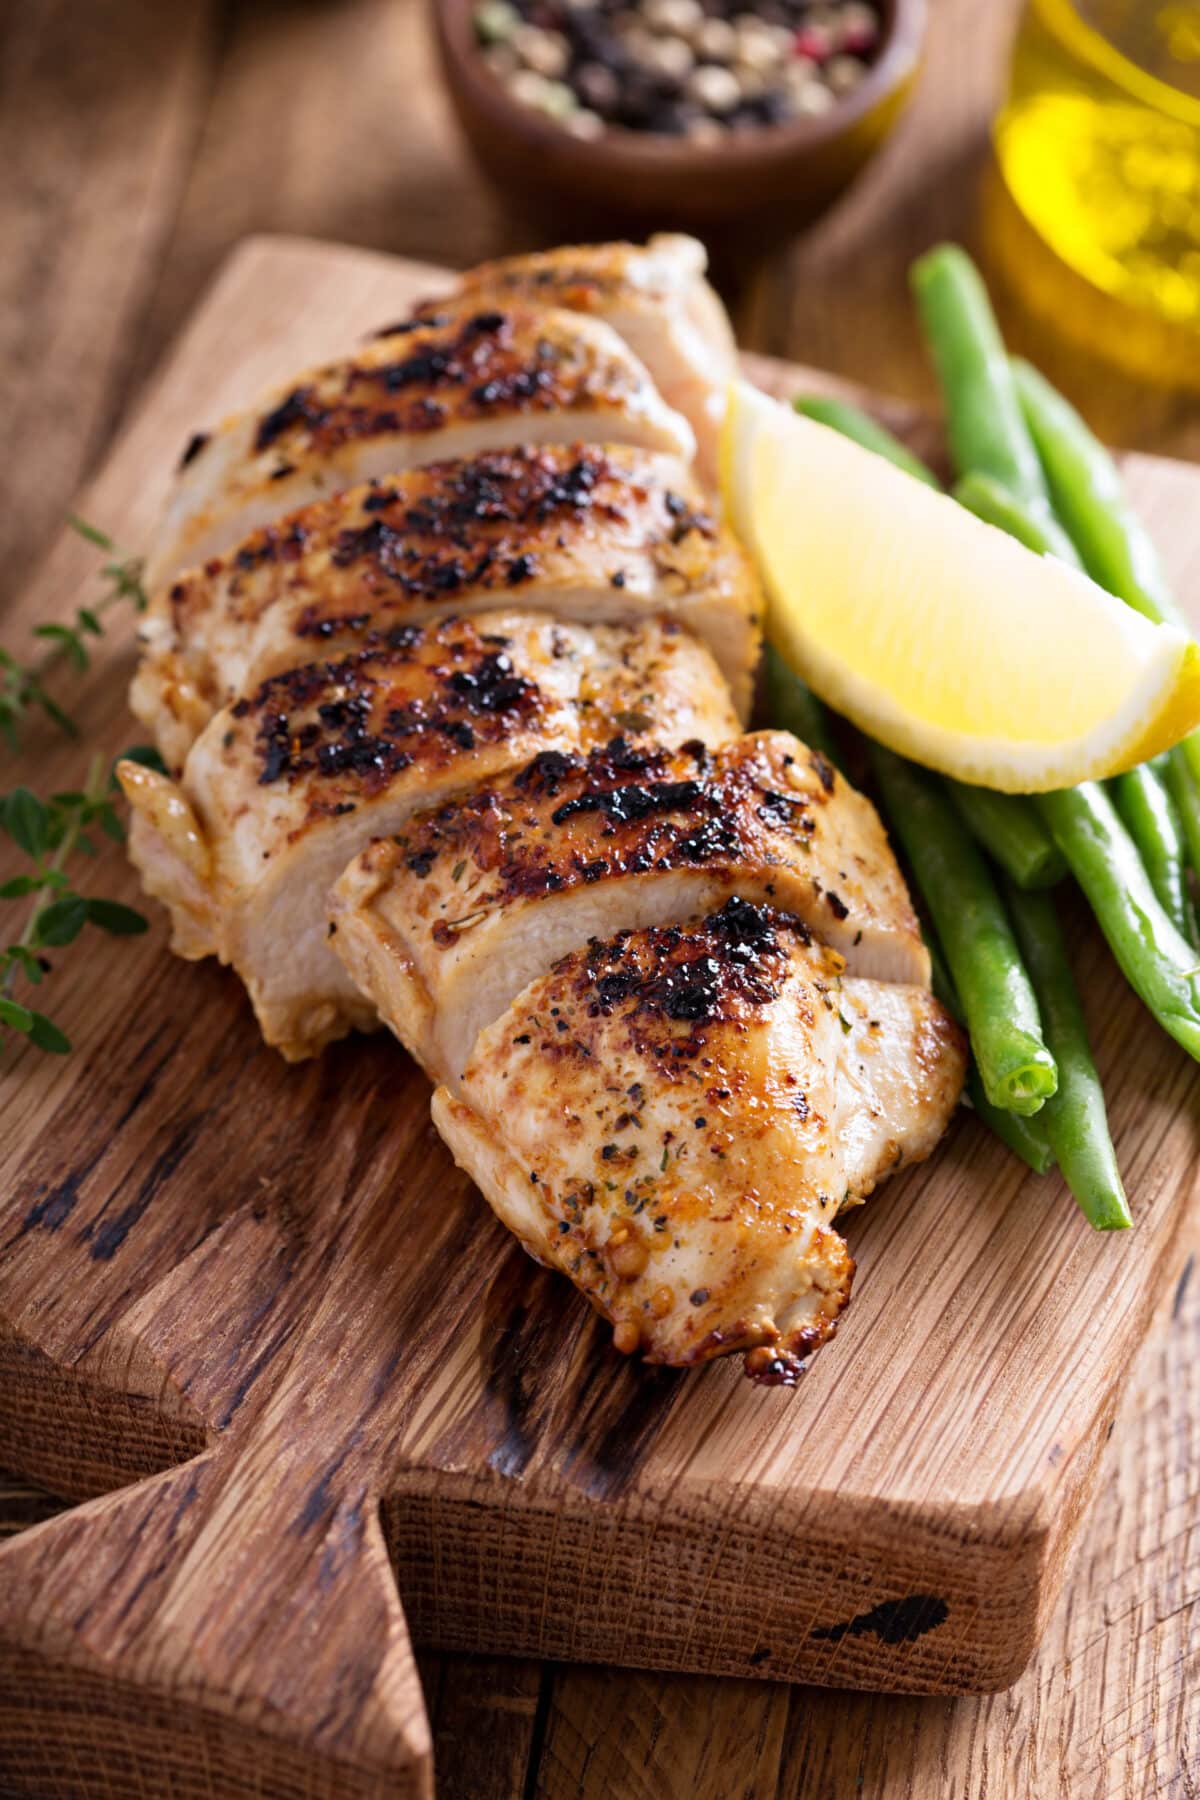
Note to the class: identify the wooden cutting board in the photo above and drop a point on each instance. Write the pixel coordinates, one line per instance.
(343, 1407)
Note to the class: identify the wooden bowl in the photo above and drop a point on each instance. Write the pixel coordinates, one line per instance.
(741, 196)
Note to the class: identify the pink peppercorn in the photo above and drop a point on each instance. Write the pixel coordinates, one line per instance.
(814, 42)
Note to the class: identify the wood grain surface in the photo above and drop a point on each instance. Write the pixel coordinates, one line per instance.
(1105, 1708)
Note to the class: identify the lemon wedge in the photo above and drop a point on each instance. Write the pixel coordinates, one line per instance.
(937, 634)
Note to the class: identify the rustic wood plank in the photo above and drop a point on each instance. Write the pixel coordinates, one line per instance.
(249, 1588)
(125, 1679)
(1109, 1706)
(1124, 1637)
(99, 106)
(649, 1737)
(486, 1715)
(22, 1504)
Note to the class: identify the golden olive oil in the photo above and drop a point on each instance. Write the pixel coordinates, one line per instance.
(1098, 144)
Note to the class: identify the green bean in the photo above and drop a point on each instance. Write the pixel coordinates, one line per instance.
(1075, 1119)
(1085, 486)
(792, 706)
(1184, 791)
(1152, 821)
(1010, 829)
(1155, 959)
(1024, 1137)
(852, 422)
(987, 429)
(1114, 545)
(998, 1002)
(984, 496)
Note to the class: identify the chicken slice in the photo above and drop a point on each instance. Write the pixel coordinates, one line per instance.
(283, 788)
(423, 393)
(446, 922)
(673, 1119)
(591, 534)
(654, 295)
(652, 682)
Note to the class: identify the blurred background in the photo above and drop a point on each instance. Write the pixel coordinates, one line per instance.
(139, 141)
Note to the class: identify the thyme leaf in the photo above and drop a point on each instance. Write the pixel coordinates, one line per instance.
(49, 832)
(23, 684)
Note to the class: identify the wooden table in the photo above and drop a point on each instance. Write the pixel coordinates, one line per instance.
(139, 141)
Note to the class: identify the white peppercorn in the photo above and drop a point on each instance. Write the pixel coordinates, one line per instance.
(546, 52)
(585, 124)
(758, 52)
(857, 28)
(671, 57)
(714, 88)
(528, 87)
(495, 20)
(677, 16)
(843, 73)
(814, 101)
(559, 100)
(715, 40)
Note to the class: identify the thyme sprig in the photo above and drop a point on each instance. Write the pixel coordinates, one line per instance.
(23, 685)
(52, 832)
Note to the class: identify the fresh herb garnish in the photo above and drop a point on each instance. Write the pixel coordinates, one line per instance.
(51, 832)
(23, 684)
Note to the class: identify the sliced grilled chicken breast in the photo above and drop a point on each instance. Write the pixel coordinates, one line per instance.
(592, 534)
(654, 295)
(284, 787)
(674, 1117)
(421, 394)
(447, 921)
(448, 653)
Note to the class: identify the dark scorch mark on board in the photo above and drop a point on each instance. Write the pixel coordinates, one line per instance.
(892, 1621)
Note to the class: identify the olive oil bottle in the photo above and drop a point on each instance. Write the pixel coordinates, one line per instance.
(1098, 147)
